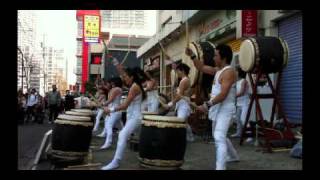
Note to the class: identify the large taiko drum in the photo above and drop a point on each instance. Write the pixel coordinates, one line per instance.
(269, 54)
(162, 142)
(82, 112)
(71, 139)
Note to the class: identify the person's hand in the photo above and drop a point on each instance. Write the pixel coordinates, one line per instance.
(106, 110)
(189, 52)
(202, 108)
(170, 104)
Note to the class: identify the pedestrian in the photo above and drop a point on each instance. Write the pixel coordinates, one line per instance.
(114, 99)
(182, 98)
(133, 77)
(69, 101)
(222, 102)
(40, 109)
(54, 100)
(31, 104)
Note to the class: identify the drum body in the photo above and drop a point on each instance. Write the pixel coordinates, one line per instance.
(71, 139)
(269, 54)
(162, 142)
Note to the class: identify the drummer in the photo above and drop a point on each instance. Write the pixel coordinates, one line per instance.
(152, 93)
(222, 101)
(114, 98)
(100, 100)
(182, 97)
(133, 77)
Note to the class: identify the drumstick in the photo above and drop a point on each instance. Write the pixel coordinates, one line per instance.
(165, 105)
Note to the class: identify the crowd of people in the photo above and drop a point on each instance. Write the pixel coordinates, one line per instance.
(34, 108)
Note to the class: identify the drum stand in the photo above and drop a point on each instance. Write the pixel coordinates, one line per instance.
(268, 132)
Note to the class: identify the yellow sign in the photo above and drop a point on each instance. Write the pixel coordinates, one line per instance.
(91, 28)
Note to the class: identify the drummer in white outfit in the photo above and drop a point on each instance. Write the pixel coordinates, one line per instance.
(114, 98)
(152, 94)
(222, 102)
(101, 99)
(134, 79)
(242, 101)
(182, 98)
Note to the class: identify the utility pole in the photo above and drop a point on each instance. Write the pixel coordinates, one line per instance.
(44, 64)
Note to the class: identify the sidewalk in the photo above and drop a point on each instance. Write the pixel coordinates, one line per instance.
(200, 155)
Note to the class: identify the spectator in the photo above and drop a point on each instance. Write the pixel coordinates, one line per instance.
(69, 101)
(31, 103)
(40, 109)
(54, 100)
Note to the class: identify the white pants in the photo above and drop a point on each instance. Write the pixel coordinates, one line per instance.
(183, 111)
(130, 126)
(241, 117)
(223, 145)
(153, 105)
(98, 117)
(110, 122)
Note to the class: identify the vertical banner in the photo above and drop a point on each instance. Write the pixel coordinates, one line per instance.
(91, 29)
(249, 23)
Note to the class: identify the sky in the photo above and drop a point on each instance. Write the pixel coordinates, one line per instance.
(60, 27)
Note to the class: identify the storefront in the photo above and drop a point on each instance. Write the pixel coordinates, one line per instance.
(290, 29)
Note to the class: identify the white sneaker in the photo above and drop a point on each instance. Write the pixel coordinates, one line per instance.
(105, 146)
(190, 139)
(101, 135)
(233, 159)
(236, 135)
(111, 166)
(249, 140)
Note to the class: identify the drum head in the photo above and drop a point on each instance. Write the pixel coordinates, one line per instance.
(285, 52)
(194, 73)
(149, 113)
(73, 118)
(246, 56)
(82, 110)
(77, 113)
(164, 118)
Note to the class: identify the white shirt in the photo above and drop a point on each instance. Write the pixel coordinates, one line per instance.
(244, 99)
(32, 100)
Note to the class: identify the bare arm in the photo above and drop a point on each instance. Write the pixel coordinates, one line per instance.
(182, 87)
(114, 94)
(199, 65)
(133, 92)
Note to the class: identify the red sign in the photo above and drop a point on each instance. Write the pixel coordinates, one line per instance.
(249, 23)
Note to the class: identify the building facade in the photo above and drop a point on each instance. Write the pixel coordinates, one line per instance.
(26, 44)
(226, 26)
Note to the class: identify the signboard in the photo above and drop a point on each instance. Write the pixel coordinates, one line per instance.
(249, 23)
(91, 29)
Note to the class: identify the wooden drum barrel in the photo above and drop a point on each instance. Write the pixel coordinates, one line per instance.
(270, 54)
(71, 139)
(162, 142)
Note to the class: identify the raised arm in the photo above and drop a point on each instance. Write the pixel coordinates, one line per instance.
(199, 65)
